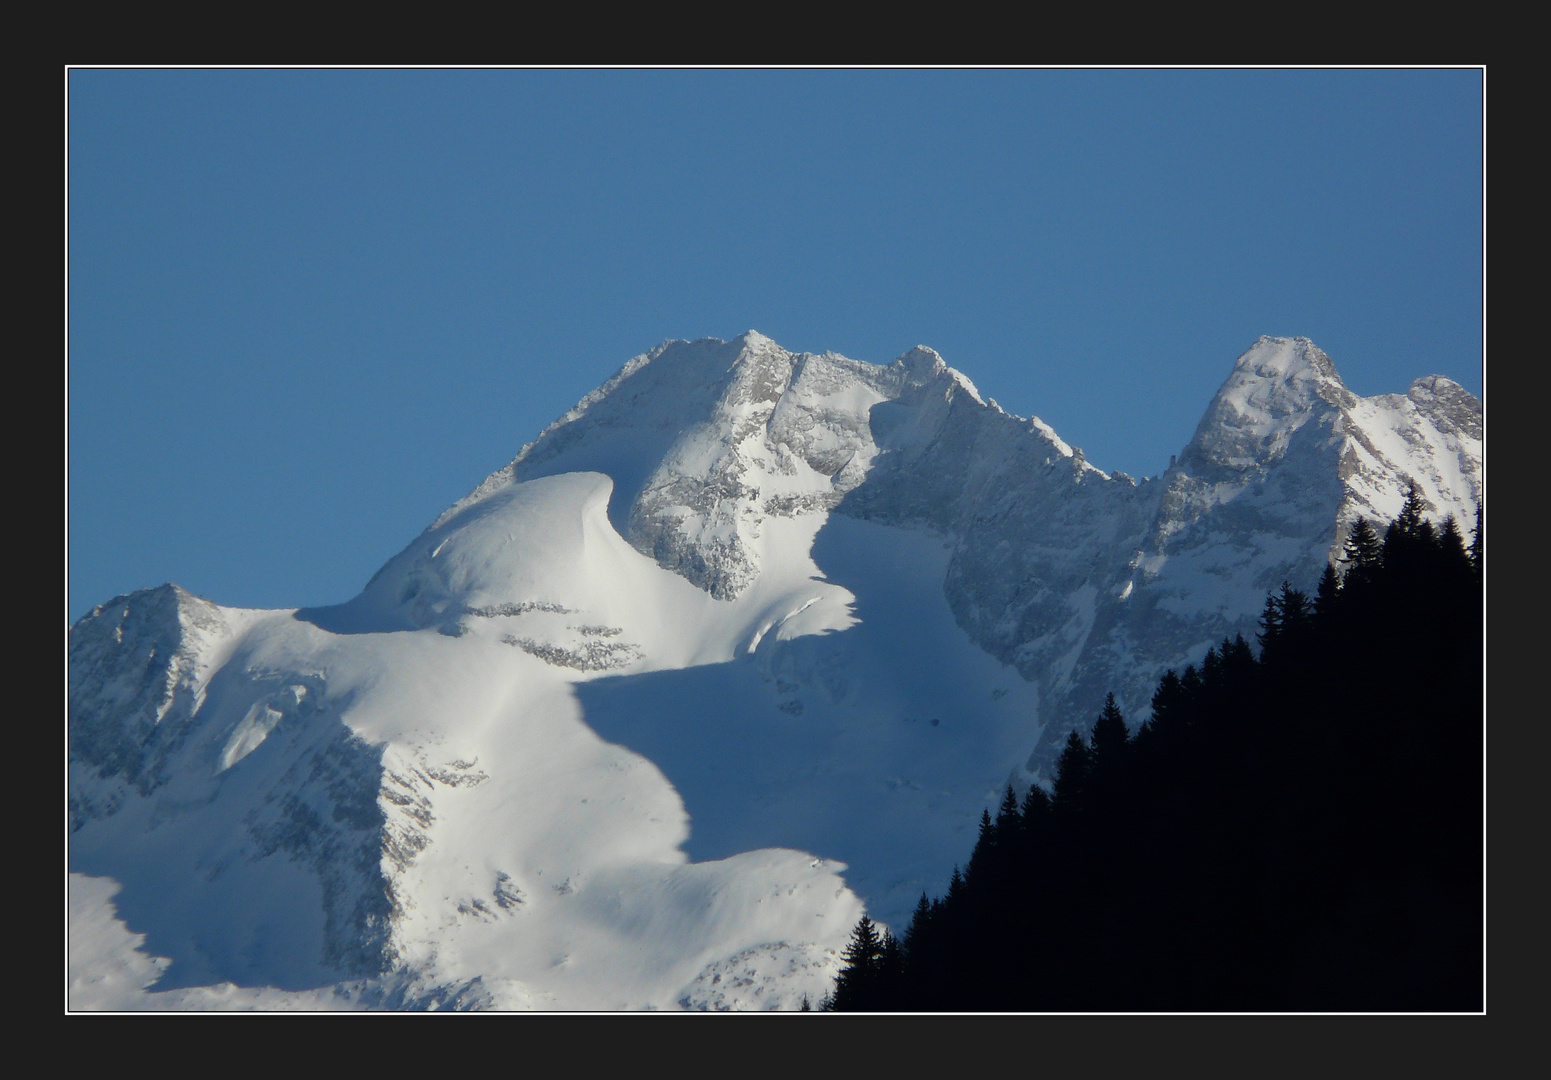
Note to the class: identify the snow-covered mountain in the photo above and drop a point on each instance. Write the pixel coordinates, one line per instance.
(741, 644)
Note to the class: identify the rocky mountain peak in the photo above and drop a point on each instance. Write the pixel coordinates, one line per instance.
(1275, 387)
(1286, 357)
(1449, 406)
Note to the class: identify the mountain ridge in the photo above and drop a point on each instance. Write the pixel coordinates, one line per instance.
(702, 570)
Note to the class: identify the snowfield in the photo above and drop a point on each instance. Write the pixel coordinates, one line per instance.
(737, 649)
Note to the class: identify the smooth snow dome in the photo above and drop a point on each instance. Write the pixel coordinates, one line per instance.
(739, 648)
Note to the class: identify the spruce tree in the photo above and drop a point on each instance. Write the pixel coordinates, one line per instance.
(1452, 542)
(955, 893)
(1329, 588)
(1292, 607)
(1008, 825)
(1007, 813)
(1072, 772)
(1167, 702)
(1035, 804)
(1190, 684)
(857, 984)
(889, 973)
(1109, 734)
(919, 928)
(1478, 542)
(984, 851)
(1211, 667)
(1410, 519)
(1410, 535)
(1363, 550)
(1270, 624)
(1236, 653)
(864, 947)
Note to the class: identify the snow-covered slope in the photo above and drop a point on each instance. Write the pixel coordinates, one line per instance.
(742, 643)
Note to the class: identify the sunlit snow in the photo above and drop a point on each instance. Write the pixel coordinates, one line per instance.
(738, 648)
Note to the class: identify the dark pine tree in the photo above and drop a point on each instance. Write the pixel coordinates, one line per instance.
(1167, 710)
(1294, 608)
(1109, 735)
(1325, 597)
(984, 851)
(1478, 542)
(1270, 625)
(1072, 773)
(1036, 804)
(890, 971)
(1363, 550)
(955, 891)
(919, 928)
(856, 987)
(1410, 538)
(1454, 554)
(1007, 814)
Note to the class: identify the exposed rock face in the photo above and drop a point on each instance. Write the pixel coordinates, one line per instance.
(159, 718)
(135, 684)
(706, 439)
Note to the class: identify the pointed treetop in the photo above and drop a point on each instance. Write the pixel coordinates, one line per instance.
(1329, 588)
(1478, 542)
(1237, 653)
(1109, 731)
(955, 884)
(1362, 547)
(1270, 623)
(1008, 812)
(1072, 768)
(1410, 517)
(1190, 680)
(1452, 542)
(865, 944)
(1294, 606)
(1211, 665)
(1035, 802)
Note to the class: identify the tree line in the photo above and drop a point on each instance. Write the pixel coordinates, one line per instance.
(1298, 828)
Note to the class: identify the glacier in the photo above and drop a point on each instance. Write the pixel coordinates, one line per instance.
(737, 648)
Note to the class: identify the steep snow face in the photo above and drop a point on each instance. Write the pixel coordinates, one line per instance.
(1433, 435)
(609, 732)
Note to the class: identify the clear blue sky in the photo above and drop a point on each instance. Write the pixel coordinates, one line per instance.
(310, 309)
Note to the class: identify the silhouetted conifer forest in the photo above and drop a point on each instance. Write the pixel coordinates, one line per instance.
(1298, 830)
